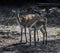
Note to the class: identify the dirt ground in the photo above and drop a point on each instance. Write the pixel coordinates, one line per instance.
(11, 43)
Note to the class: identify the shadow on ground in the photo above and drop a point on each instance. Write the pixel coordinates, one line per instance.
(53, 46)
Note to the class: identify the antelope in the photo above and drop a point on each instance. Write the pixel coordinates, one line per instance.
(33, 20)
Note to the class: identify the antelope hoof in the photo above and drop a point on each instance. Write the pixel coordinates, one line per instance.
(30, 44)
(46, 42)
(43, 42)
(35, 44)
(38, 40)
(21, 41)
(26, 41)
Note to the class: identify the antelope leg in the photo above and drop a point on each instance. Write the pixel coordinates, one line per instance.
(43, 35)
(35, 36)
(46, 37)
(25, 35)
(21, 33)
(30, 36)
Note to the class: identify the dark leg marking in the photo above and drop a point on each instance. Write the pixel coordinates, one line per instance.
(25, 35)
(30, 36)
(35, 36)
(21, 34)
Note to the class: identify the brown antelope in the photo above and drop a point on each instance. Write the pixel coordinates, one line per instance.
(31, 19)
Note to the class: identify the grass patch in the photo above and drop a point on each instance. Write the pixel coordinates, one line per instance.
(13, 25)
(58, 32)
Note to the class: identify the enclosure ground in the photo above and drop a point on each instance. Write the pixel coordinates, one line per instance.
(11, 44)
